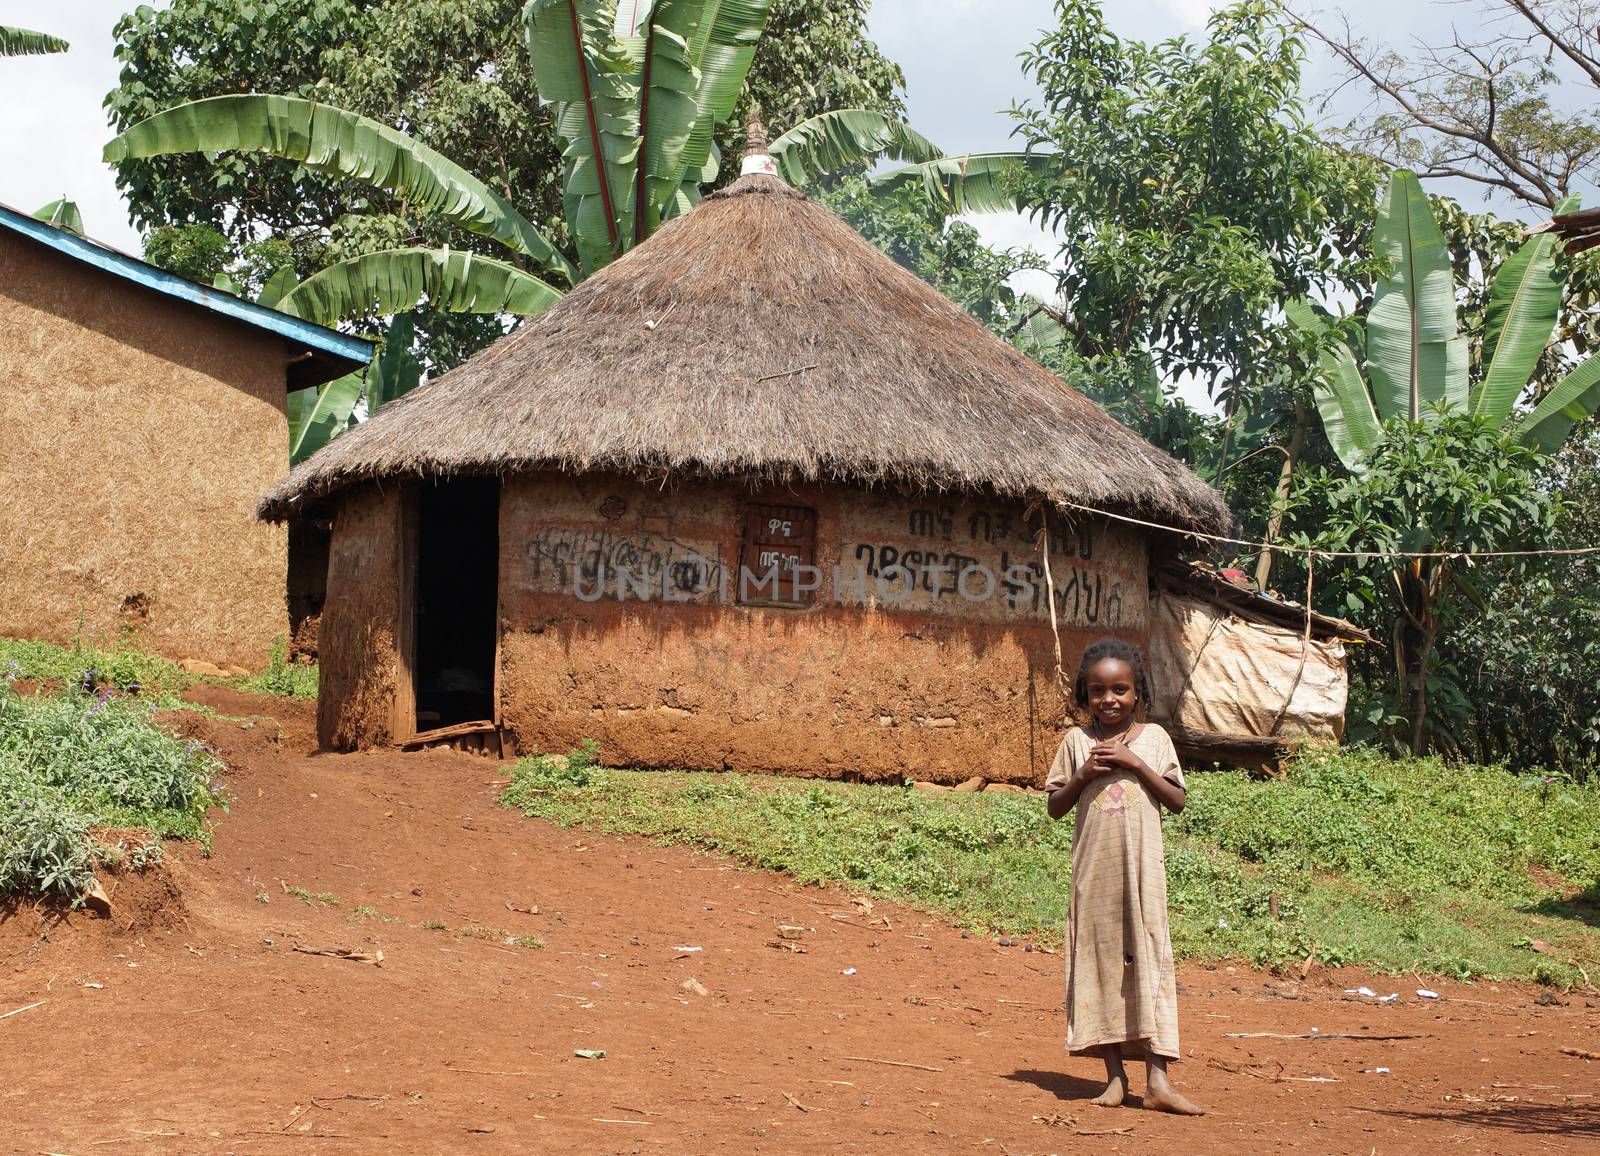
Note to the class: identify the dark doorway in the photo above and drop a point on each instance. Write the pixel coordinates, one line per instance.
(458, 573)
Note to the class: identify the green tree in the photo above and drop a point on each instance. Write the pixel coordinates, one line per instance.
(1419, 370)
(1527, 657)
(1194, 199)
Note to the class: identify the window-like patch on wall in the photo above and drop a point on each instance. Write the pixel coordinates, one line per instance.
(778, 556)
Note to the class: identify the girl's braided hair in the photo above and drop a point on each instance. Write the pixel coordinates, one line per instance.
(1110, 648)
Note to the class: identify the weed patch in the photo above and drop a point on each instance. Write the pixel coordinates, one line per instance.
(282, 677)
(1366, 861)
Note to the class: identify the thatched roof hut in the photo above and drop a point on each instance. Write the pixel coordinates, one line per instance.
(759, 335)
(556, 540)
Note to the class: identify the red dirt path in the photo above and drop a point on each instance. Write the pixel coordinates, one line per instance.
(210, 1034)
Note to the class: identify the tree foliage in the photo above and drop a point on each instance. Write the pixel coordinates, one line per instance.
(1192, 196)
(1193, 199)
(1528, 660)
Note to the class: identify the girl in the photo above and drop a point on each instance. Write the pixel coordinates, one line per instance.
(1122, 998)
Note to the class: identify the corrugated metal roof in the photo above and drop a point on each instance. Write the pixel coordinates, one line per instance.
(327, 353)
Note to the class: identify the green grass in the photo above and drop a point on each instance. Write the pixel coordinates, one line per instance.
(1388, 865)
(74, 766)
(311, 898)
(132, 671)
(126, 670)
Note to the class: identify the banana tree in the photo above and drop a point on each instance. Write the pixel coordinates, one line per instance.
(1417, 373)
(1416, 356)
(22, 42)
(635, 102)
(319, 414)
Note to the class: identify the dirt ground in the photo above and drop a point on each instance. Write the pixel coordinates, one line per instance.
(189, 1022)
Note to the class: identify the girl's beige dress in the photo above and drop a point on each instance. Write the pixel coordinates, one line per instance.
(1120, 983)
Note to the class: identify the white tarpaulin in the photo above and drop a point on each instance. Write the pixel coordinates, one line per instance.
(1213, 671)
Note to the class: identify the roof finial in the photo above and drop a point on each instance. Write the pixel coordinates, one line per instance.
(755, 136)
(756, 157)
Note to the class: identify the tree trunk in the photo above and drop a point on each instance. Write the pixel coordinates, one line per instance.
(1297, 445)
(1416, 632)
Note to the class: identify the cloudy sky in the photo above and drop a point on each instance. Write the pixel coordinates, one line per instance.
(960, 58)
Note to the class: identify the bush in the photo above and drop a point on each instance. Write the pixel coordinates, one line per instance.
(75, 764)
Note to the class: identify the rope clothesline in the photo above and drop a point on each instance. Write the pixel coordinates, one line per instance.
(1311, 554)
(1319, 552)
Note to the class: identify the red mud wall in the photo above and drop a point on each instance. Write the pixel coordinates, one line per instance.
(137, 433)
(359, 638)
(621, 623)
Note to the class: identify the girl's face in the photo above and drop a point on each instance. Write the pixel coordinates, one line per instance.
(1112, 696)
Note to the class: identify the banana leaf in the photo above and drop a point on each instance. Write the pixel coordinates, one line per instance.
(281, 281)
(1574, 398)
(721, 51)
(589, 74)
(395, 370)
(317, 416)
(1413, 308)
(844, 137)
(1524, 300)
(63, 214)
(330, 140)
(22, 42)
(667, 108)
(976, 183)
(1341, 395)
(395, 280)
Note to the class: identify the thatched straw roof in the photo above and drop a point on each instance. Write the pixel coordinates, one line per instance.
(760, 336)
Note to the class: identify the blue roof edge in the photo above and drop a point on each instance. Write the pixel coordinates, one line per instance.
(356, 350)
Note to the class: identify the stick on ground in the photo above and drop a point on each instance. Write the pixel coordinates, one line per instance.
(20, 1010)
(1313, 1036)
(892, 1063)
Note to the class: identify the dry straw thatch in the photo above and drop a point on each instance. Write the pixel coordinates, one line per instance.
(760, 336)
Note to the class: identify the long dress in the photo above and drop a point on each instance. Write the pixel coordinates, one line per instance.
(1121, 988)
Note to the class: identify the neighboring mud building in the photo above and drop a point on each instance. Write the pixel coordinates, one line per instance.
(143, 416)
(752, 496)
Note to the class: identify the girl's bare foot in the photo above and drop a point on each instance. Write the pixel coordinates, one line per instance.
(1116, 1083)
(1116, 1091)
(1170, 1101)
(1159, 1094)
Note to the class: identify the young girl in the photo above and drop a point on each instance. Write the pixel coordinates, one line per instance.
(1122, 998)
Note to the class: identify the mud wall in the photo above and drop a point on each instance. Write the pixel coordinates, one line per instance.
(925, 651)
(137, 434)
(361, 643)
